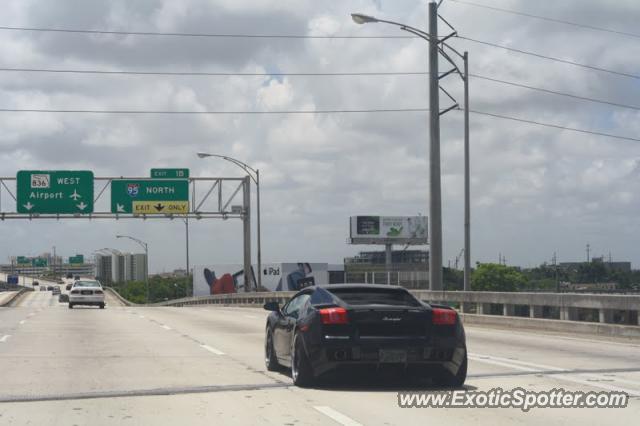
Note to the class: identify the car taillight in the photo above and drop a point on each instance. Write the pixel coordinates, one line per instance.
(98, 292)
(444, 316)
(334, 316)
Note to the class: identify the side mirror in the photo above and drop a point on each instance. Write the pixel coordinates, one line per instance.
(272, 306)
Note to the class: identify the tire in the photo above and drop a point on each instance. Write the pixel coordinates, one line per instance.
(301, 370)
(270, 359)
(446, 379)
(70, 305)
(102, 306)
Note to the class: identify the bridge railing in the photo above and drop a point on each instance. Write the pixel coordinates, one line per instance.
(602, 308)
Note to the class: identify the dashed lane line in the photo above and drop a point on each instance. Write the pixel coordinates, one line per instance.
(337, 416)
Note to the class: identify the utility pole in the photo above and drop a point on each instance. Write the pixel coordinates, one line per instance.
(467, 181)
(588, 249)
(435, 201)
(555, 264)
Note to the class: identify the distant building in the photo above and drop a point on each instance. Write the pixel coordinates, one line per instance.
(614, 266)
(120, 267)
(409, 268)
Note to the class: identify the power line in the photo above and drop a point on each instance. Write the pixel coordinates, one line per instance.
(213, 74)
(554, 126)
(551, 58)
(206, 35)
(152, 112)
(546, 18)
(312, 74)
(326, 111)
(554, 92)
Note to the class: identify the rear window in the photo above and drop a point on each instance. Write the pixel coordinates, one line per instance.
(375, 296)
(87, 284)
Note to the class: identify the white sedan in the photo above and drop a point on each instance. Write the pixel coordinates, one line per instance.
(86, 292)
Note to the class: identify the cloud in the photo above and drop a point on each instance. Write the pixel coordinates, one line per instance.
(535, 190)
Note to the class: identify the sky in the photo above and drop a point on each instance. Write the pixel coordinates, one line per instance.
(535, 190)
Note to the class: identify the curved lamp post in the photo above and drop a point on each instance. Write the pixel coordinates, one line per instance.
(254, 174)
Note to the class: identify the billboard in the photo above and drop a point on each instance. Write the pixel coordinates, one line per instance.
(230, 278)
(388, 230)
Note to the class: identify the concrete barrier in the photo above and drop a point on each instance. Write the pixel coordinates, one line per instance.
(14, 297)
(550, 325)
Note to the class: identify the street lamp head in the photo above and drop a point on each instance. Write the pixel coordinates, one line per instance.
(120, 236)
(203, 155)
(359, 18)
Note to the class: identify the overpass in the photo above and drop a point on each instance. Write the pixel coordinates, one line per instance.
(202, 363)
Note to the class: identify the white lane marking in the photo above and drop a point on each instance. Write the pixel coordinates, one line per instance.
(251, 316)
(31, 314)
(142, 316)
(337, 416)
(166, 327)
(22, 322)
(4, 338)
(516, 365)
(212, 350)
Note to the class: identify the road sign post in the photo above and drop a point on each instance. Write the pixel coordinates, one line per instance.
(142, 197)
(58, 192)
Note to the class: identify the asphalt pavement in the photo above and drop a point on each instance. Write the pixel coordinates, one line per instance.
(204, 365)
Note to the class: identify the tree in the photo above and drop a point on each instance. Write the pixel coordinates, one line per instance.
(494, 277)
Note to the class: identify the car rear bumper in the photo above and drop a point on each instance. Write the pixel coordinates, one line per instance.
(328, 357)
(86, 300)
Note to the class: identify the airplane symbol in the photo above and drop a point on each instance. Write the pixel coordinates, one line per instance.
(120, 208)
(75, 195)
(28, 206)
(82, 205)
(159, 207)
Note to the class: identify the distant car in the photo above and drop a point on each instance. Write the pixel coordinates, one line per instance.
(56, 290)
(327, 328)
(43, 288)
(77, 277)
(63, 298)
(69, 275)
(36, 283)
(68, 287)
(86, 292)
(49, 288)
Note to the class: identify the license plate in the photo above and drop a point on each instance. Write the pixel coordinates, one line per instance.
(392, 356)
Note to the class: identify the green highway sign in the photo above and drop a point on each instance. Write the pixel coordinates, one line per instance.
(138, 196)
(78, 259)
(57, 192)
(39, 262)
(23, 260)
(170, 173)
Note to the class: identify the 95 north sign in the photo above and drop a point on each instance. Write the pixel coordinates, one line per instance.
(54, 191)
(138, 196)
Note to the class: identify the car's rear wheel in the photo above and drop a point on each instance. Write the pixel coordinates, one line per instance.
(444, 377)
(102, 306)
(301, 370)
(70, 305)
(270, 358)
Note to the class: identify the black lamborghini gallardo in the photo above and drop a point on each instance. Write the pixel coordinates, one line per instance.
(324, 328)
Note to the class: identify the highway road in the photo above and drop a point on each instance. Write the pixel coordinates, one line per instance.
(204, 365)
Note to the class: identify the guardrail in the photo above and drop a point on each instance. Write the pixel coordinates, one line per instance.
(13, 298)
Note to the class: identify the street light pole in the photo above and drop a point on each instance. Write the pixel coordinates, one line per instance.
(254, 174)
(145, 246)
